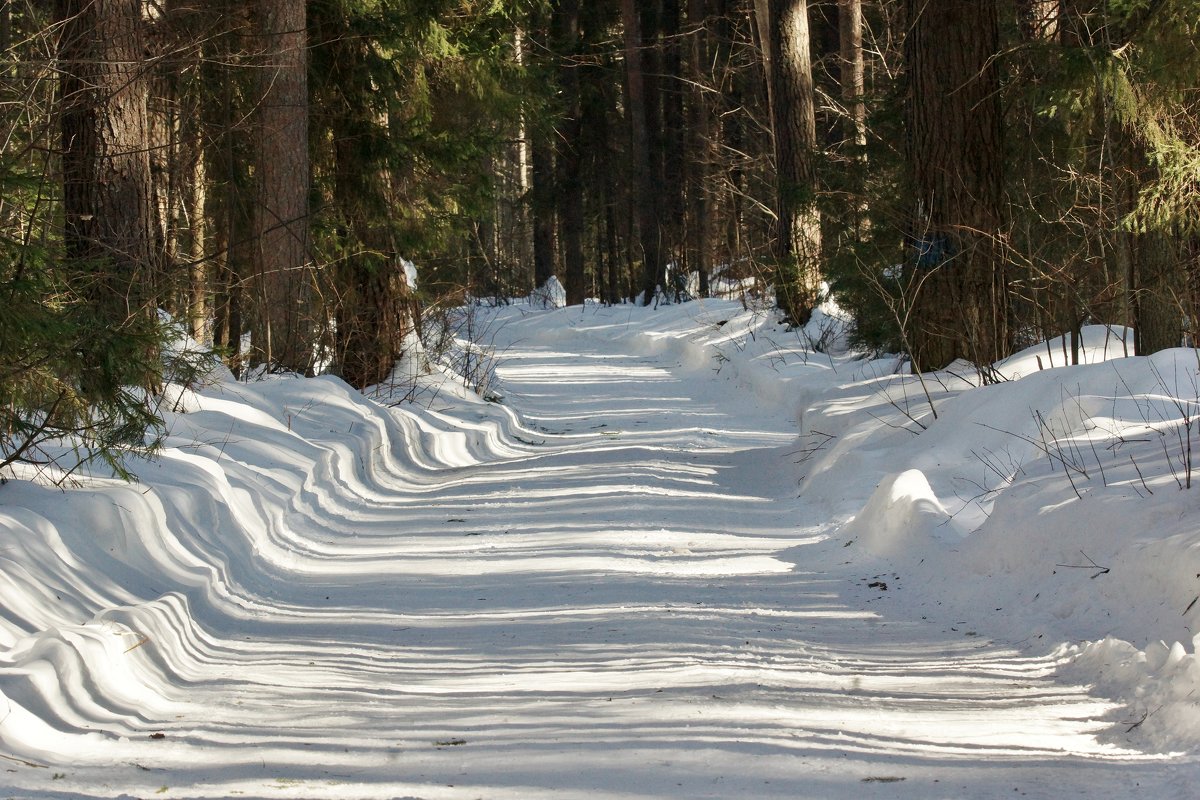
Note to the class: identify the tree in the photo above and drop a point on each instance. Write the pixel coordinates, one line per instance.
(229, 153)
(699, 143)
(568, 155)
(80, 339)
(654, 270)
(793, 116)
(852, 72)
(284, 325)
(368, 294)
(956, 170)
(107, 191)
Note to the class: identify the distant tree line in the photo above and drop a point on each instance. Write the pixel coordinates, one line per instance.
(964, 177)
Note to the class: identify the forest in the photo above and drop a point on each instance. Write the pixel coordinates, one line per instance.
(529, 399)
(963, 178)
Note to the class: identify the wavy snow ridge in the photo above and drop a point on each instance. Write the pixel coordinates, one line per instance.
(302, 569)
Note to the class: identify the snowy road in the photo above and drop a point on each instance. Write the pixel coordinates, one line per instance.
(616, 597)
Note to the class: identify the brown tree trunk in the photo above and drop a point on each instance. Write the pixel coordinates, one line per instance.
(798, 241)
(107, 192)
(542, 158)
(653, 266)
(852, 72)
(197, 256)
(568, 158)
(284, 324)
(227, 168)
(541, 162)
(956, 161)
(699, 143)
(670, 88)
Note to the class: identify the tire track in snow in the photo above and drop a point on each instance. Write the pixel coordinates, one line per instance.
(587, 599)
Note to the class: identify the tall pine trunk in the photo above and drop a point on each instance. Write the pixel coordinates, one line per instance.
(956, 162)
(793, 112)
(229, 200)
(107, 191)
(569, 158)
(542, 202)
(699, 144)
(852, 72)
(649, 240)
(284, 324)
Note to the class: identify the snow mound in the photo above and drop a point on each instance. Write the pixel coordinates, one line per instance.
(551, 294)
(1159, 686)
(903, 516)
(1096, 343)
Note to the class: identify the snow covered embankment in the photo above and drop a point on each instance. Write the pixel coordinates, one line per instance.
(116, 599)
(1053, 509)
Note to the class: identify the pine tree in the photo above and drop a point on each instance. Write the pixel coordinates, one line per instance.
(284, 326)
(793, 116)
(956, 162)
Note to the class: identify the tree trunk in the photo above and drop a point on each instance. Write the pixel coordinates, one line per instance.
(568, 158)
(670, 88)
(107, 192)
(542, 158)
(956, 162)
(228, 156)
(283, 331)
(541, 161)
(699, 144)
(798, 241)
(852, 72)
(194, 202)
(653, 267)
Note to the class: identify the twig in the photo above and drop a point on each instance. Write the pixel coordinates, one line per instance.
(1090, 565)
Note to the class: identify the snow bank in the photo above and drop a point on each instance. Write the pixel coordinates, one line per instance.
(1058, 506)
(902, 519)
(1160, 687)
(552, 294)
(1055, 510)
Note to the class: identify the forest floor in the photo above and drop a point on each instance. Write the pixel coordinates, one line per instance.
(639, 575)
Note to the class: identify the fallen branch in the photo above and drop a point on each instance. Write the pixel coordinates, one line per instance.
(1090, 565)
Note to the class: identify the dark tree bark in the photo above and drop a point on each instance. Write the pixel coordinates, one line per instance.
(793, 107)
(284, 325)
(568, 157)
(852, 72)
(956, 161)
(542, 163)
(541, 157)
(699, 143)
(670, 92)
(107, 192)
(374, 308)
(230, 198)
(653, 266)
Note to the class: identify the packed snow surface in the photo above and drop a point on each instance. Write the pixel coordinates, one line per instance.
(691, 554)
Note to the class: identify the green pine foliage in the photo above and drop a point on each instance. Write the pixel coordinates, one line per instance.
(80, 379)
(74, 387)
(438, 79)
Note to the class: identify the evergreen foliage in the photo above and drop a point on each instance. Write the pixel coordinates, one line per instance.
(477, 137)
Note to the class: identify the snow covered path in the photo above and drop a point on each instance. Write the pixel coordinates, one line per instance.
(603, 594)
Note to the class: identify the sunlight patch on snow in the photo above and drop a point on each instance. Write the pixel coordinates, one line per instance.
(310, 595)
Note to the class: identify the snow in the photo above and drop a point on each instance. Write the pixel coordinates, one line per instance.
(684, 552)
(552, 294)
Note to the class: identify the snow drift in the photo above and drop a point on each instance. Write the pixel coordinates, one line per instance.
(309, 579)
